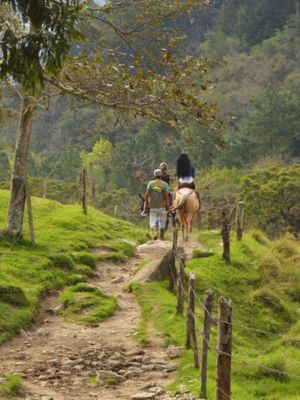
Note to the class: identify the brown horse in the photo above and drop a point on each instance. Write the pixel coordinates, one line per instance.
(187, 205)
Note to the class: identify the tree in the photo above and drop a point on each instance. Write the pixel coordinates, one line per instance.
(35, 40)
(272, 198)
(161, 88)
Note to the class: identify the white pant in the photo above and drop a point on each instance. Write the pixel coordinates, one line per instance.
(158, 216)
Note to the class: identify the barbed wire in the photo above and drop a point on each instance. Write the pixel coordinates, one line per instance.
(217, 351)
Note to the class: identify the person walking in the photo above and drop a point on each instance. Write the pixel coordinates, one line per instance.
(158, 201)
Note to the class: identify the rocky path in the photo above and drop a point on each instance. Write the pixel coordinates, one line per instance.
(60, 360)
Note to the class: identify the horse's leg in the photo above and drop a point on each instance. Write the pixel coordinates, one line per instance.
(167, 223)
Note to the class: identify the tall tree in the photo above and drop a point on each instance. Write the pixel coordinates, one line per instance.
(36, 37)
(139, 83)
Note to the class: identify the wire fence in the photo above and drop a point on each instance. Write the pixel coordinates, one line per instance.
(239, 356)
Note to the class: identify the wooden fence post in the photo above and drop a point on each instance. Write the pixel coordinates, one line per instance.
(226, 233)
(30, 214)
(239, 220)
(173, 271)
(83, 190)
(93, 184)
(224, 350)
(191, 334)
(207, 321)
(180, 290)
(45, 184)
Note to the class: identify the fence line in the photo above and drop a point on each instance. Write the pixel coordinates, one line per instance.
(179, 259)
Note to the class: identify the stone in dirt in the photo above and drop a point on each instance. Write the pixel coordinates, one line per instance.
(118, 279)
(174, 352)
(143, 396)
(171, 367)
(103, 375)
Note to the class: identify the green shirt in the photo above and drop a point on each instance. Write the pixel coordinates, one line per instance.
(157, 189)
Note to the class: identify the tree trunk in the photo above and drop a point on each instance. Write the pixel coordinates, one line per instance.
(19, 173)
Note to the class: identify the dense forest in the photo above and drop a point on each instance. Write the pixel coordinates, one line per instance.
(252, 53)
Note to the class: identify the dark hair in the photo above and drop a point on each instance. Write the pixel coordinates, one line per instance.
(183, 166)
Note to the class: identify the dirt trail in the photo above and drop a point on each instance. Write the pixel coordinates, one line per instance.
(59, 360)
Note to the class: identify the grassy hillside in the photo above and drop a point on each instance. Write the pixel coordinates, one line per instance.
(263, 283)
(62, 233)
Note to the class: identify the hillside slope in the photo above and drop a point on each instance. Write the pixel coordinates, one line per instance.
(62, 233)
(263, 282)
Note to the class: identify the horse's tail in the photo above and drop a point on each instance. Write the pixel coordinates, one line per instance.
(182, 201)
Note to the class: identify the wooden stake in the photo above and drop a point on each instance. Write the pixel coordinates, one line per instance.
(173, 271)
(191, 323)
(175, 239)
(208, 306)
(45, 189)
(83, 190)
(180, 290)
(30, 214)
(239, 220)
(93, 184)
(226, 234)
(224, 350)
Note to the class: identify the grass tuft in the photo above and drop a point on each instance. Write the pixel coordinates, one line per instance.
(10, 386)
(84, 303)
(63, 261)
(85, 258)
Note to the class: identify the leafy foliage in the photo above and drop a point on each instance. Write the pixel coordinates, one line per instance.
(38, 41)
(272, 198)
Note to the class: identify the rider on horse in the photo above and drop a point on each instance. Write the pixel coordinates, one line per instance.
(157, 198)
(186, 174)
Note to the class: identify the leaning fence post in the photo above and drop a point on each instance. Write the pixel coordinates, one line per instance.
(224, 350)
(239, 220)
(173, 271)
(180, 290)
(226, 233)
(208, 307)
(83, 190)
(191, 334)
(30, 214)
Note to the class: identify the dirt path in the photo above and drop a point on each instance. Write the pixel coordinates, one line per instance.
(60, 360)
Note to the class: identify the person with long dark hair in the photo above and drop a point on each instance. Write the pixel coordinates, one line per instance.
(185, 172)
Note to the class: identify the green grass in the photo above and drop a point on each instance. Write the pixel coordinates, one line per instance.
(266, 328)
(10, 386)
(87, 304)
(60, 258)
(141, 265)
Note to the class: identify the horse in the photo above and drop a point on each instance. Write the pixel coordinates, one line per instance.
(187, 205)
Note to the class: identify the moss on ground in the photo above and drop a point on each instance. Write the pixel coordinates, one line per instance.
(87, 304)
(263, 283)
(62, 231)
(10, 386)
